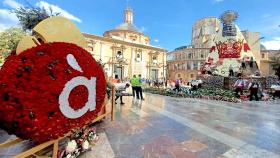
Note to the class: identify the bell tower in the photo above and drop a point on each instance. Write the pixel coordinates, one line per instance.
(128, 15)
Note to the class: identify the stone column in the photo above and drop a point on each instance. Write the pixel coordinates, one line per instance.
(112, 60)
(132, 62)
(100, 52)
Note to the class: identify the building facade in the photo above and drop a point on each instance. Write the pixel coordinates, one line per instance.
(125, 51)
(185, 62)
(268, 59)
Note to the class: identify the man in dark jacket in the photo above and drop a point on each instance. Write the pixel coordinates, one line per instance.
(254, 89)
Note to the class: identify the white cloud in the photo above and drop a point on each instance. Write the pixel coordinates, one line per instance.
(266, 15)
(7, 19)
(156, 40)
(56, 9)
(13, 4)
(273, 44)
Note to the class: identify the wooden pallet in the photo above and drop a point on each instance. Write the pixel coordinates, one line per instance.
(54, 143)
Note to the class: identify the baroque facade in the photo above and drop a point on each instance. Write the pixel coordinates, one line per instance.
(125, 51)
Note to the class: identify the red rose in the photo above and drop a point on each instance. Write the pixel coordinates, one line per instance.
(30, 86)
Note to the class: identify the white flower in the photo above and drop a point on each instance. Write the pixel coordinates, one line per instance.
(71, 146)
(85, 145)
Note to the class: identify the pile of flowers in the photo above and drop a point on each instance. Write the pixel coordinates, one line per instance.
(203, 93)
(80, 140)
(30, 86)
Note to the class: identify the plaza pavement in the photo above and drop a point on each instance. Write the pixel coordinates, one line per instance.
(167, 127)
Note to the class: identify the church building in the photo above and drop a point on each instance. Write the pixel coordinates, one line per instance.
(126, 51)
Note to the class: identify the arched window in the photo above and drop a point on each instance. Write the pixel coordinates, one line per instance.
(154, 58)
(138, 57)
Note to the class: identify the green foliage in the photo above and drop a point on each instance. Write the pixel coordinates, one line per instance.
(9, 40)
(205, 93)
(30, 17)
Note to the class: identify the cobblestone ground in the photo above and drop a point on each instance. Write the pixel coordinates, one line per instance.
(166, 127)
(163, 127)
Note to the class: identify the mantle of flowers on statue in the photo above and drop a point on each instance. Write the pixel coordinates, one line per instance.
(51, 85)
(229, 49)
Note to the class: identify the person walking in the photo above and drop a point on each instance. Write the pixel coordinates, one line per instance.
(139, 90)
(133, 83)
(177, 85)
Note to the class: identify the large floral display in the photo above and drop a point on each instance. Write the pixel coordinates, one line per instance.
(50, 89)
(229, 49)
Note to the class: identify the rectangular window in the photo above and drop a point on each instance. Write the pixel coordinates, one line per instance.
(191, 75)
(201, 55)
(195, 65)
(188, 66)
(263, 55)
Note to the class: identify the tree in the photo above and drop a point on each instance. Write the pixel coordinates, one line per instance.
(30, 17)
(9, 40)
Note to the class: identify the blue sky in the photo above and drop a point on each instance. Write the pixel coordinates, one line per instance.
(167, 22)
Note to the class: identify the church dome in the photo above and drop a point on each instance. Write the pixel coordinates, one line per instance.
(128, 27)
(127, 31)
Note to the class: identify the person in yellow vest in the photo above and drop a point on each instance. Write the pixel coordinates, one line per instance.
(139, 88)
(133, 83)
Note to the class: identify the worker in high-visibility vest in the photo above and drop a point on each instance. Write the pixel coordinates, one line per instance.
(139, 88)
(133, 83)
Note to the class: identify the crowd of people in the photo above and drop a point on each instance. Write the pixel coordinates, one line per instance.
(253, 88)
(256, 91)
(192, 85)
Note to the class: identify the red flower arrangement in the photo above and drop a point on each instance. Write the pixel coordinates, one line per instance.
(30, 85)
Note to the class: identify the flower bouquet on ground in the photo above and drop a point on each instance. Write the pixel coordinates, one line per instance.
(80, 140)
